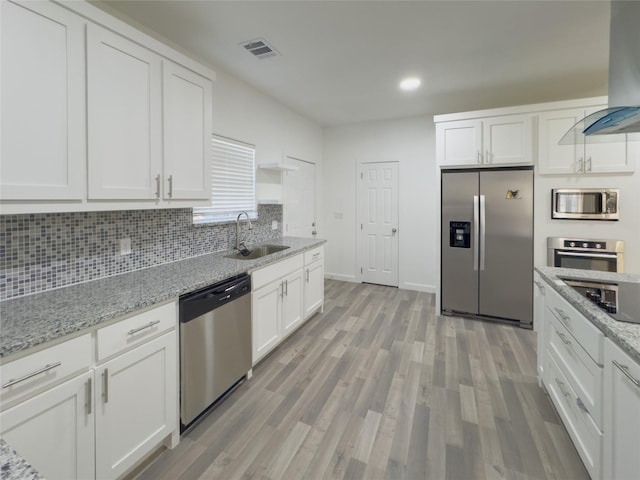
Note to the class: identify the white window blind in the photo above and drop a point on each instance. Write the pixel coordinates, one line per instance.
(232, 182)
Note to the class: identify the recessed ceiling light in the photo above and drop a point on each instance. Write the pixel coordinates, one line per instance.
(410, 83)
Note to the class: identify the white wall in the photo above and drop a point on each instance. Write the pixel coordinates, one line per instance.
(627, 228)
(410, 142)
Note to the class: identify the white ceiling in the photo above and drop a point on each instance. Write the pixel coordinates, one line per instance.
(341, 61)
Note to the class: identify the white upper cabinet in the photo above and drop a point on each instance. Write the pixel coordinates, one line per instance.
(187, 101)
(594, 154)
(500, 140)
(97, 115)
(124, 118)
(42, 102)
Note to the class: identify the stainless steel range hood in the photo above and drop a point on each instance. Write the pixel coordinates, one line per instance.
(623, 114)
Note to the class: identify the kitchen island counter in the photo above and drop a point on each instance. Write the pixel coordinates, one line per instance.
(42, 318)
(625, 335)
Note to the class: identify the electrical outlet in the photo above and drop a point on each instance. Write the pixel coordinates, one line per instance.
(274, 225)
(125, 246)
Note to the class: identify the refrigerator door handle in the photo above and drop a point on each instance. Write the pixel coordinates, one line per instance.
(483, 220)
(476, 238)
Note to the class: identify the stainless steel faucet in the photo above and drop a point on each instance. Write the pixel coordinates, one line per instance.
(239, 242)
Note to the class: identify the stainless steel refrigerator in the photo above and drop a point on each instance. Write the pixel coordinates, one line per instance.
(487, 244)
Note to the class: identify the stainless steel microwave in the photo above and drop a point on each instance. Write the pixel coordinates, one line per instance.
(585, 203)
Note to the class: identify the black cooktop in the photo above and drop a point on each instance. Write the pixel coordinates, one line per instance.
(621, 300)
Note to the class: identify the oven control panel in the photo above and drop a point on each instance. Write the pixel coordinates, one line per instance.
(584, 244)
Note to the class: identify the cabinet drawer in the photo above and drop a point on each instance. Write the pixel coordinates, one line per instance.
(585, 434)
(313, 255)
(577, 325)
(273, 272)
(43, 369)
(134, 330)
(584, 375)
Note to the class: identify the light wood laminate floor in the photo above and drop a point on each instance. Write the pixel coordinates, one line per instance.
(377, 387)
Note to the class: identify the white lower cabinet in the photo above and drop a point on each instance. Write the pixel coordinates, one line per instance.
(73, 418)
(54, 430)
(621, 415)
(276, 304)
(135, 404)
(313, 281)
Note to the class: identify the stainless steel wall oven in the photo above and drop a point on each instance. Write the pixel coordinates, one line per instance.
(586, 254)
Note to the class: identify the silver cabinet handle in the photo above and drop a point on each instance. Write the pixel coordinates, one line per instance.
(581, 405)
(562, 390)
(563, 337)
(282, 288)
(158, 186)
(133, 331)
(479, 157)
(105, 385)
(563, 315)
(625, 369)
(316, 255)
(476, 230)
(488, 159)
(483, 236)
(540, 286)
(589, 163)
(89, 397)
(286, 288)
(581, 165)
(307, 275)
(46, 368)
(170, 194)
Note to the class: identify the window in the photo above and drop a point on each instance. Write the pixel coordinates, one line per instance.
(233, 182)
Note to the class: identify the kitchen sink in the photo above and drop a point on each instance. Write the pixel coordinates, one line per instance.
(258, 252)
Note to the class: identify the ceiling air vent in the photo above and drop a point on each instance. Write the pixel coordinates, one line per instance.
(260, 48)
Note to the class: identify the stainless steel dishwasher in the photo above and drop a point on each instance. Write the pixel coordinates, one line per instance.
(215, 344)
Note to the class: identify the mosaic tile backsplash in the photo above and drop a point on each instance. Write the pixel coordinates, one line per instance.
(40, 252)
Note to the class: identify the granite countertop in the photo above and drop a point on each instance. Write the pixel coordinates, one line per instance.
(28, 321)
(625, 335)
(13, 466)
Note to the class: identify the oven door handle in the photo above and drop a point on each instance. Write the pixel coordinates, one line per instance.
(587, 254)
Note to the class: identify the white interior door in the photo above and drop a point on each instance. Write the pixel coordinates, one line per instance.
(379, 223)
(299, 199)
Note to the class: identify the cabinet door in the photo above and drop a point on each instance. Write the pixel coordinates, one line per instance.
(508, 140)
(554, 158)
(54, 431)
(124, 118)
(136, 404)
(539, 323)
(266, 304)
(621, 414)
(313, 288)
(43, 126)
(459, 143)
(607, 153)
(292, 302)
(187, 105)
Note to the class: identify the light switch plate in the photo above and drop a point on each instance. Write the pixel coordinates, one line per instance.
(125, 246)
(274, 225)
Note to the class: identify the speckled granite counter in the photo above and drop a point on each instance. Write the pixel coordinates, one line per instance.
(32, 320)
(625, 335)
(13, 466)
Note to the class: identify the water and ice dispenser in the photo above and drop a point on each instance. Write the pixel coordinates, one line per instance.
(460, 234)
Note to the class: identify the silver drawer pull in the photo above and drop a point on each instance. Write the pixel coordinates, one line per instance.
(624, 369)
(562, 390)
(540, 286)
(316, 255)
(563, 315)
(139, 329)
(581, 405)
(563, 337)
(46, 368)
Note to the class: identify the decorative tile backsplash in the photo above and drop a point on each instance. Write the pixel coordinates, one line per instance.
(39, 252)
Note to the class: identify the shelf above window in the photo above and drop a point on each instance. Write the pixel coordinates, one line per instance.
(280, 167)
